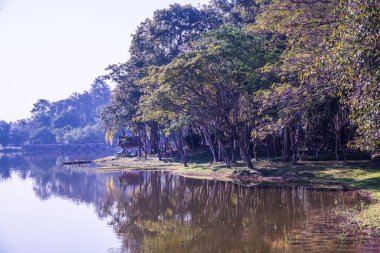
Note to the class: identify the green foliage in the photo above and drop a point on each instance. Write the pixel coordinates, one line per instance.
(300, 27)
(63, 120)
(42, 135)
(211, 85)
(19, 133)
(4, 133)
(354, 63)
(67, 118)
(303, 25)
(300, 74)
(87, 134)
(123, 106)
(41, 113)
(158, 40)
(239, 12)
(207, 83)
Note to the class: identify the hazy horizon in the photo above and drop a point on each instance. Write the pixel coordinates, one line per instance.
(50, 49)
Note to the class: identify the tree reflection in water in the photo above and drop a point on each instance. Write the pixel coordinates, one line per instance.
(51, 178)
(166, 213)
(160, 212)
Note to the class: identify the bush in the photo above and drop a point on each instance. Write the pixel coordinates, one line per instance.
(88, 134)
(43, 135)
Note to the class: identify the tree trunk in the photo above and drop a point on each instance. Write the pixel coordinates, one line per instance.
(139, 143)
(336, 146)
(208, 139)
(255, 152)
(224, 154)
(191, 138)
(154, 138)
(233, 153)
(294, 154)
(268, 150)
(294, 142)
(145, 150)
(158, 145)
(146, 143)
(245, 155)
(151, 139)
(180, 147)
(285, 148)
(274, 146)
(241, 150)
(219, 151)
(183, 147)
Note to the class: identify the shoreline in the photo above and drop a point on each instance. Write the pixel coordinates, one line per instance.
(360, 176)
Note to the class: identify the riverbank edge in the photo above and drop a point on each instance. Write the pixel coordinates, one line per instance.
(360, 176)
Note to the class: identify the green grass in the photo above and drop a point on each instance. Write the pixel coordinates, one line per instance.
(195, 169)
(369, 217)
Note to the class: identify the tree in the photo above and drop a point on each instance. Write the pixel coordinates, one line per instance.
(238, 12)
(42, 135)
(67, 118)
(100, 96)
(156, 42)
(4, 133)
(353, 66)
(57, 118)
(41, 113)
(213, 86)
(19, 133)
(88, 134)
(124, 103)
(303, 80)
(300, 28)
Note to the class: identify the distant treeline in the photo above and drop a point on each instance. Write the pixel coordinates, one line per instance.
(281, 76)
(69, 121)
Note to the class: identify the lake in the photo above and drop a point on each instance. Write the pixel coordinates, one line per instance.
(48, 207)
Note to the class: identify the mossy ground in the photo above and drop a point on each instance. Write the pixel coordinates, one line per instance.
(360, 175)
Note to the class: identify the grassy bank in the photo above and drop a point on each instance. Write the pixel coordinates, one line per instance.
(194, 170)
(360, 175)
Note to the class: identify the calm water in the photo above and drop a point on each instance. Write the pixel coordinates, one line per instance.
(48, 207)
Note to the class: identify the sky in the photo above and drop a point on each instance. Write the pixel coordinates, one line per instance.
(52, 48)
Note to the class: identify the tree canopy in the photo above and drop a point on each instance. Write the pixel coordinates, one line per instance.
(61, 121)
(254, 77)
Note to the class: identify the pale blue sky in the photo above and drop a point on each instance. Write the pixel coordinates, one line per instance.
(52, 48)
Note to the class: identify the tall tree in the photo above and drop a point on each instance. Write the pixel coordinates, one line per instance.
(156, 42)
(41, 113)
(213, 85)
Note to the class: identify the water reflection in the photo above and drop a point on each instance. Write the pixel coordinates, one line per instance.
(52, 178)
(165, 213)
(160, 212)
